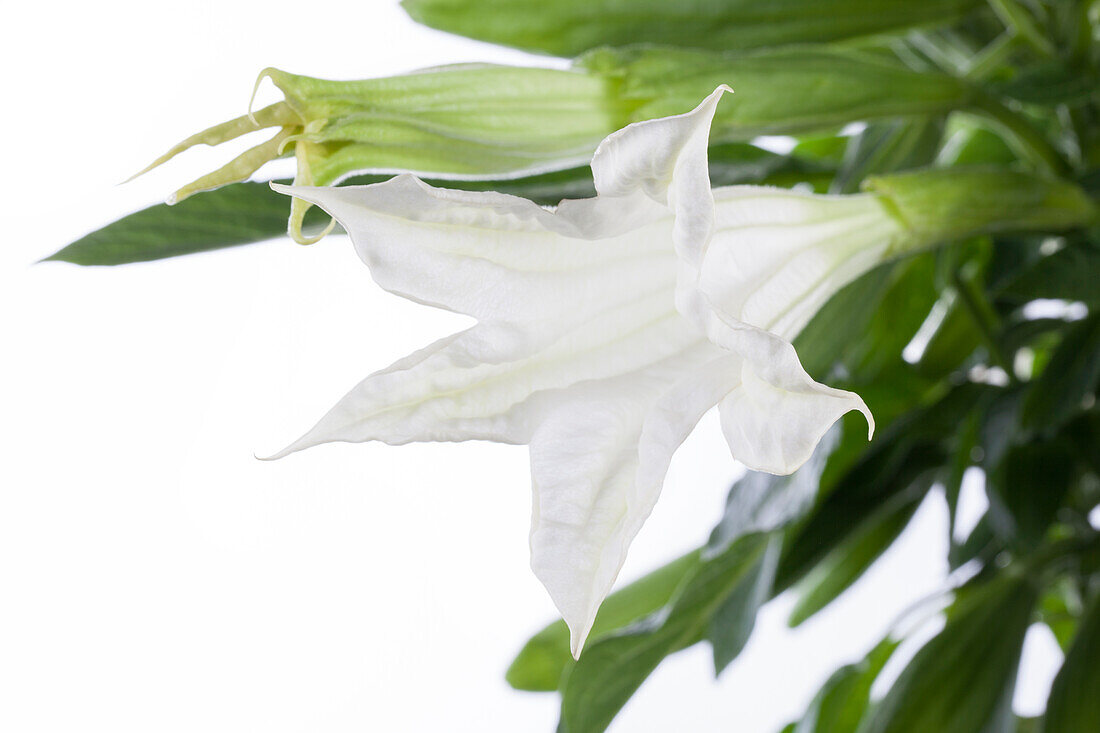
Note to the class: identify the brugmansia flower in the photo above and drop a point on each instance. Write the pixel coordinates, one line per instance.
(602, 337)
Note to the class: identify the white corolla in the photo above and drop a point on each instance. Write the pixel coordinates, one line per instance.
(606, 327)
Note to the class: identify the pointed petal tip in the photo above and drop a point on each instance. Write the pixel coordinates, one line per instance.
(870, 421)
(577, 639)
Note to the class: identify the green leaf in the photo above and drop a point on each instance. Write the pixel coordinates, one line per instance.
(1072, 373)
(611, 670)
(1074, 702)
(543, 659)
(973, 143)
(568, 27)
(889, 146)
(1059, 609)
(842, 702)
(863, 329)
(1071, 273)
(959, 682)
(243, 213)
(846, 564)
(239, 214)
(900, 465)
(1026, 490)
(1055, 82)
(732, 622)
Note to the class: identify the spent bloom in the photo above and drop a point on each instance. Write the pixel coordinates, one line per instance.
(606, 328)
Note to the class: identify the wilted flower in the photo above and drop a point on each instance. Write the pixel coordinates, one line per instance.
(606, 328)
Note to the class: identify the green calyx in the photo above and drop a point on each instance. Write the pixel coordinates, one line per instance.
(941, 205)
(464, 122)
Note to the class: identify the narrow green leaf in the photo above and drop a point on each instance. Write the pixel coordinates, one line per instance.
(1055, 82)
(239, 214)
(568, 27)
(863, 329)
(1060, 609)
(960, 681)
(243, 213)
(1027, 488)
(543, 659)
(846, 564)
(842, 702)
(1071, 273)
(889, 146)
(1074, 703)
(1072, 373)
(903, 461)
(734, 619)
(611, 670)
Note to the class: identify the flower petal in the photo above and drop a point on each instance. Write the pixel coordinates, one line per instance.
(598, 462)
(777, 414)
(481, 385)
(777, 255)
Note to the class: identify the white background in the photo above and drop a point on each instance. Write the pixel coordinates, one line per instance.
(154, 576)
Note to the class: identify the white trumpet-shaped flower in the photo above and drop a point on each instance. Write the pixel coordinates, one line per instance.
(606, 328)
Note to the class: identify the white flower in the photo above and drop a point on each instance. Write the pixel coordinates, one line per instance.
(606, 328)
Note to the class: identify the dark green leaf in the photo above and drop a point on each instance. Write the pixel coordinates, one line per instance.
(1059, 609)
(569, 27)
(610, 670)
(863, 329)
(543, 659)
(982, 542)
(1072, 373)
(1027, 489)
(847, 563)
(1074, 703)
(959, 682)
(733, 621)
(840, 705)
(238, 214)
(1052, 83)
(1071, 273)
(884, 147)
(1000, 427)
